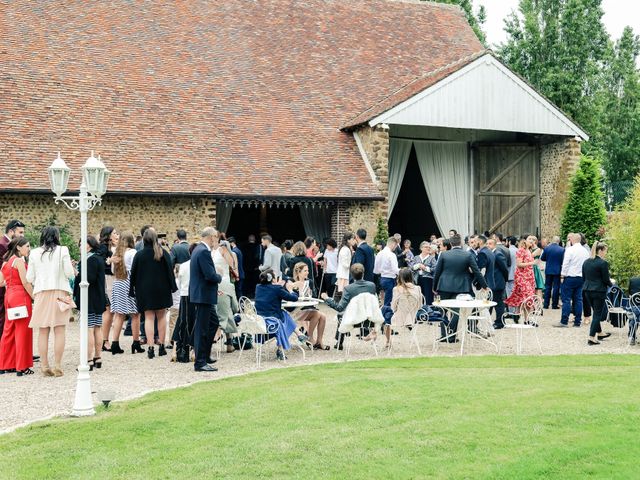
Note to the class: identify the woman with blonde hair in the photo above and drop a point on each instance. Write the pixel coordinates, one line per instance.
(406, 300)
(299, 254)
(312, 315)
(121, 303)
(152, 283)
(49, 272)
(524, 284)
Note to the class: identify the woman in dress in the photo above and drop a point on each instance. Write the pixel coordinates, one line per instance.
(407, 253)
(152, 283)
(312, 315)
(268, 302)
(536, 253)
(406, 300)
(49, 272)
(121, 303)
(344, 260)
(524, 280)
(16, 346)
(108, 242)
(186, 313)
(227, 301)
(424, 265)
(330, 267)
(97, 300)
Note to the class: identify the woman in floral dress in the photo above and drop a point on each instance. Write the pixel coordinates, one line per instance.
(524, 280)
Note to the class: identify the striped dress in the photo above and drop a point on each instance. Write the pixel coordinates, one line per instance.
(121, 302)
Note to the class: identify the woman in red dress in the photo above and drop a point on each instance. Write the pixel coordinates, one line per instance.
(524, 280)
(16, 346)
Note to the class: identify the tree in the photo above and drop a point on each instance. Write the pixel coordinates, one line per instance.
(66, 238)
(561, 47)
(382, 233)
(585, 212)
(475, 19)
(622, 118)
(623, 231)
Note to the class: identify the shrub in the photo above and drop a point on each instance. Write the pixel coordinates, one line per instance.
(66, 239)
(623, 237)
(585, 211)
(382, 233)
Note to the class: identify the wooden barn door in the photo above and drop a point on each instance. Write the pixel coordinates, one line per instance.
(506, 186)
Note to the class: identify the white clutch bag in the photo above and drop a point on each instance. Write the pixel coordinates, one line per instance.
(16, 313)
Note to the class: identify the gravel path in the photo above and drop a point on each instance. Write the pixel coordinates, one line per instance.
(27, 399)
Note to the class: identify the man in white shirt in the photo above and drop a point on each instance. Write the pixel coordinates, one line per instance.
(571, 290)
(272, 256)
(386, 265)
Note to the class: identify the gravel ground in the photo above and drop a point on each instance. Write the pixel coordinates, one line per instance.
(34, 397)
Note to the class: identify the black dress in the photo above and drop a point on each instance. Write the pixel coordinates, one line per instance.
(152, 282)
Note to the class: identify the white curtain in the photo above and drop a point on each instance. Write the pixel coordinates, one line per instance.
(399, 151)
(316, 221)
(223, 215)
(446, 173)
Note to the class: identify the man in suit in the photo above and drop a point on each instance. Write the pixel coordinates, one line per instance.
(203, 293)
(351, 291)
(499, 241)
(180, 249)
(553, 255)
(272, 256)
(486, 261)
(455, 271)
(500, 277)
(364, 254)
(14, 229)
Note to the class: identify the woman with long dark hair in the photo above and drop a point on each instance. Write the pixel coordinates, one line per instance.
(152, 284)
(49, 272)
(108, 242)
(344, 260)
(121, 303)
(16, 346)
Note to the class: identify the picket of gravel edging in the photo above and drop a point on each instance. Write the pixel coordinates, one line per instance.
(133, 376)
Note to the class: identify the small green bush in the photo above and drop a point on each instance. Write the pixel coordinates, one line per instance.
(66, 239)
(382, 233)
(585, 211)
(623, 238)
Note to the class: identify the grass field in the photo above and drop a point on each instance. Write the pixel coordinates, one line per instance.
(473, 417)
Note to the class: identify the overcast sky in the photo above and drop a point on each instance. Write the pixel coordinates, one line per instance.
(617, 14)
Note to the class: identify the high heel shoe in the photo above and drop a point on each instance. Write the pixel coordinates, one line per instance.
(136, 348)
(162, 351)
(97, 362)
(151, 352)
(104, 348)
(115, 348)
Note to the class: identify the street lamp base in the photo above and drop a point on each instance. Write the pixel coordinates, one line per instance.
(83, 404)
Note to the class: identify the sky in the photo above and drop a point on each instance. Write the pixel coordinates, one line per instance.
(617, 15)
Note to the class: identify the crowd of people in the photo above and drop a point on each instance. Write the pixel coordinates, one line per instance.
(185, 296)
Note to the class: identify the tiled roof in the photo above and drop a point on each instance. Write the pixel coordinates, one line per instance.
(232, 97)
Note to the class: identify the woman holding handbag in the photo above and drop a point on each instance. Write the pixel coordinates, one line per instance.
(16, 346)
(49, 272)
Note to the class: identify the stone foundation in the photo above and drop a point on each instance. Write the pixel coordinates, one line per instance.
(166, 214)
(558, 162)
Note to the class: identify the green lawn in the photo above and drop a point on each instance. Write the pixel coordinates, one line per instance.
(473, 417)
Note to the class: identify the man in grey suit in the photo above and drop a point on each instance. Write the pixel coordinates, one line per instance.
(455, 271)
(272, 256)
(349, 293)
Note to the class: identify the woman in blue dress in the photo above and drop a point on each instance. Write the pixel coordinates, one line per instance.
(268, 302)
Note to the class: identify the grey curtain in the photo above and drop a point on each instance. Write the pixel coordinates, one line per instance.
(316, 221)
(399, 151)
(223, 215)
(446, 174)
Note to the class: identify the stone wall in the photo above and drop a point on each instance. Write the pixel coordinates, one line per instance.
(124, 212)
(558, 162)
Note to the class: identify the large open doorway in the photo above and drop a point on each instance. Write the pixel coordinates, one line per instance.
(281, 223)
(412, 215)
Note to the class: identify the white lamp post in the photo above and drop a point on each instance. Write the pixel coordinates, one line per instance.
(94, 185)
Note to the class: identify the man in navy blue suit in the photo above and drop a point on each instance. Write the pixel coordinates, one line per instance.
(486, 261)
(203, 293)
(364, 254)
(553, 254)
(500, 278)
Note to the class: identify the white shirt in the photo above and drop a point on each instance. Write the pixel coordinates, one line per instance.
(183, 278)
(128, 259)
(574, 257)
(344, 263)
(272, 256)
(386, 264)
(331, 256)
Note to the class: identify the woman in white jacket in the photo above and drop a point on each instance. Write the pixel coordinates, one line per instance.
(49, 272)
(344, 260)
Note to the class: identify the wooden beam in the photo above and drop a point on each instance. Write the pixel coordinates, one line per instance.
(505, 194)
(510, 213)
(505, 172)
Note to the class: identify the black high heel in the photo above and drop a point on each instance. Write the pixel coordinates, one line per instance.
(136, 348)
(115, 348)
(97, 362)
(105, 349)
(162, 351)
(151, 352)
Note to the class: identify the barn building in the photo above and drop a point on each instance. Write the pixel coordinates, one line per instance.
(296, 117)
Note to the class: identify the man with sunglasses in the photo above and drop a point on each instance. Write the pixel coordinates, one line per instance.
(14, 229)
